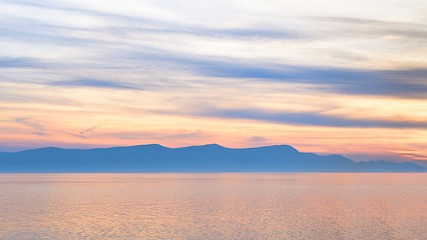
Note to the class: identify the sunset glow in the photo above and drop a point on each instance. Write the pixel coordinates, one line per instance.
(349, 77)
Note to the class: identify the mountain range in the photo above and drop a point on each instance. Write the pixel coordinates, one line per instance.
(205, 158)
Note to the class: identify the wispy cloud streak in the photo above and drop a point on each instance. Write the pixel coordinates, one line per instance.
(312, 119)
(91, 129)
(38, 129)
(86, 82)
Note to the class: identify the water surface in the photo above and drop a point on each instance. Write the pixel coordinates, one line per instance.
(214, 206)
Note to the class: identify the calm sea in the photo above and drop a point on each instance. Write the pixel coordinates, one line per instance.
(214, 206)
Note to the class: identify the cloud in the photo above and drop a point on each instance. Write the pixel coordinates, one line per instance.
(95, 83)
(38, 128)
(74, 135)
(243, 33)
(140, 24)
(182, 134)
(401, 83)
(257, 141)
(370, 27)
(310, 119)
(405, 83)
(91, 129)
(20, 62)
(114, 39)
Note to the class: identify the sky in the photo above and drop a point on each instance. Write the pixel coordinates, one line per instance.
(336, 76)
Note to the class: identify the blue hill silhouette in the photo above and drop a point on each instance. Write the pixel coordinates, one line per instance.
(205, 158)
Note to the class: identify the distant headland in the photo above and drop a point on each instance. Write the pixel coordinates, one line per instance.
(205, 158)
